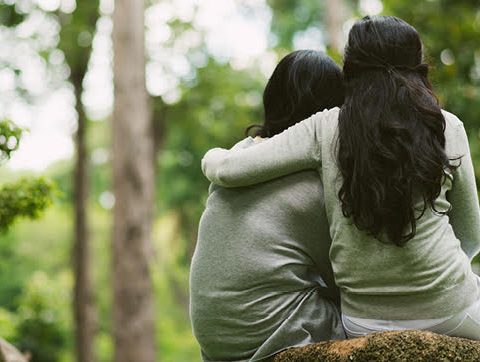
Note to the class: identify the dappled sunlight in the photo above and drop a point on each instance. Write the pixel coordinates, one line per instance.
(72, 160)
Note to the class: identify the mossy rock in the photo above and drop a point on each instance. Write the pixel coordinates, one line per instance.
(401, 346)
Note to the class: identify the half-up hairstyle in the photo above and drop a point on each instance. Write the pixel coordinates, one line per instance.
(303, 83)
(391, 142)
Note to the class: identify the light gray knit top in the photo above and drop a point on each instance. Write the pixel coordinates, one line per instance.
(258, 269)
(430, 277)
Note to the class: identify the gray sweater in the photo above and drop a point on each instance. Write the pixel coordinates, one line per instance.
(258, 269)
(430, 277)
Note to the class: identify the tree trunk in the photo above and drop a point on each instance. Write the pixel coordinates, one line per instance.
(83, 305)
(133, 182)
(83, 19)
(335, 16)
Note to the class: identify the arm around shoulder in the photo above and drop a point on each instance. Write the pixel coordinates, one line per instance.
(295, 149)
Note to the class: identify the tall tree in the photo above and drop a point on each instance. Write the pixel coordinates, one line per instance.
(133, 184)
(81, 23)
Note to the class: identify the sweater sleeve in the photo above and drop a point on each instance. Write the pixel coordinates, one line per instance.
(296, 149)
(465, 214)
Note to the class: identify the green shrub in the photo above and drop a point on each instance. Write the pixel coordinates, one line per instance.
(42, 326)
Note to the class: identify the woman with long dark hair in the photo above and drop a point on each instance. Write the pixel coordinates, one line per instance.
(399, 185)
(261, 279)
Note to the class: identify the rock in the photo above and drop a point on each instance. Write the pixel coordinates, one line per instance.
(9, 353)
(398, 346)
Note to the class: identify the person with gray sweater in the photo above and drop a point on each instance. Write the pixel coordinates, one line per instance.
(261, 279)
(399, 188)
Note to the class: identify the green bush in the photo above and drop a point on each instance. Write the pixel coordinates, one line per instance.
(9, 138)
(8, 324)
(25, 198)
(42, 326)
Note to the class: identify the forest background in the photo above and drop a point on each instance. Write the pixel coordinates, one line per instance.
(206, 64)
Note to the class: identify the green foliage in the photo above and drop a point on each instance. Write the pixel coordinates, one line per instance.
(214, 111)
(41, 327)
(218, 102)
(8, 324)
(291, 17)
(76, 35)
(25, 198)
(19, 277)
(9, 138)
(9, 15)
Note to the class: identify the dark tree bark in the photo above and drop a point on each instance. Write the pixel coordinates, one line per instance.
(83, 19)
(83, 302)
(133, 180)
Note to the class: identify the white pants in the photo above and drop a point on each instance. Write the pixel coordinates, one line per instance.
(465, 324)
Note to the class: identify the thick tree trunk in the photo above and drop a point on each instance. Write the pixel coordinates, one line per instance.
(83, 305)
(133, 180)
(335, 16)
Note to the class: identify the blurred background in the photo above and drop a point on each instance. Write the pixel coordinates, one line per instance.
(207, 62)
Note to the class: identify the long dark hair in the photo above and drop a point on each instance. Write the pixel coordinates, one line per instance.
(303, 83)
(391, 143)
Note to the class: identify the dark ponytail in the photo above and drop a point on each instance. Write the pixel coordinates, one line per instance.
(391, 143)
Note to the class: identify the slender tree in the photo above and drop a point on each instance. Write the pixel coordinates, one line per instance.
(133, 182)
(81, 24)
(83, 303)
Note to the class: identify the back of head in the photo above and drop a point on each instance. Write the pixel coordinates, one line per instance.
(391, 130)
(303, 83)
